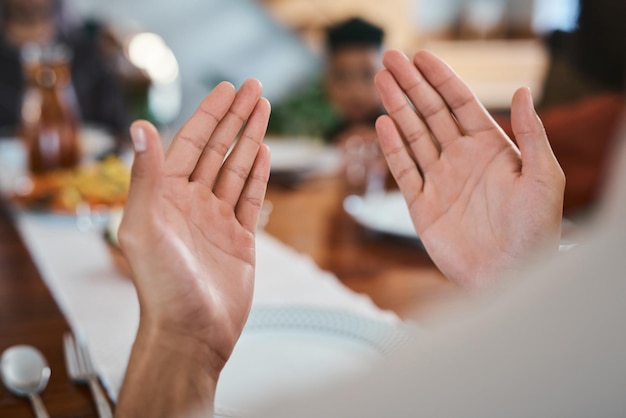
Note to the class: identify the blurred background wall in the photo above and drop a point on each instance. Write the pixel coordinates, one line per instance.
(280, 41)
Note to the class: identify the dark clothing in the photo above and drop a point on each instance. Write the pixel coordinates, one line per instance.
(99, 96)
(565, 81)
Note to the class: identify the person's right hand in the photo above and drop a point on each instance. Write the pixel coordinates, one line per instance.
(479, 205)
(188, 233)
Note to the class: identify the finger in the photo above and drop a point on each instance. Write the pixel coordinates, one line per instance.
(469, 112)
(401, 164)
(146, 173)
(182, 156)
(412, 127)
(251, 200)
(236, 169)
(537, 156)
(426, 99)
(222, 138)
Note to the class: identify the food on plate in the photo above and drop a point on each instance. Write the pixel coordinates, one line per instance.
(101, 184)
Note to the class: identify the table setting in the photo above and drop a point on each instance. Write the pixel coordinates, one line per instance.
(306, 329)
(100, 303)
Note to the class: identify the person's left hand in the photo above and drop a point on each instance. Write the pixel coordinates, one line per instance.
(480, 205)
(188, 230)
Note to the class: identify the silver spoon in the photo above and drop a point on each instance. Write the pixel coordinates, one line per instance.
(25, 372)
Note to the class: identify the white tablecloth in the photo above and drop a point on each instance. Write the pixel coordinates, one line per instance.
(101, 306)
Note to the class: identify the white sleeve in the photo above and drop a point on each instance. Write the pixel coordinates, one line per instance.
(552, 345)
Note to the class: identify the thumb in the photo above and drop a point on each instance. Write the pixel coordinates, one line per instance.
(538, 159)
(147, 166)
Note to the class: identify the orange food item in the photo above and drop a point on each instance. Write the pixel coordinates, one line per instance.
(101, 184)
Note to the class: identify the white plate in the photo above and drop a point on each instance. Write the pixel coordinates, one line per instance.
(385, 213)
(287, 351)
(301, 156)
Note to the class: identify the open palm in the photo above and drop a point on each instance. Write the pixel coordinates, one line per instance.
(479, 204)
(192, 252)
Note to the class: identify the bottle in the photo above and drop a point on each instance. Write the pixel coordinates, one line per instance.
(49, 119)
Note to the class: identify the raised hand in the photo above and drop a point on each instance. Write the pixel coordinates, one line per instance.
(479, 204)
(188, 233)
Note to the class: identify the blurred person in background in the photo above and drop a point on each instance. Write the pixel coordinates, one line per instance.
(341, 104)
(582, 99)
(97, 96)
(341, 97)
(353, 56)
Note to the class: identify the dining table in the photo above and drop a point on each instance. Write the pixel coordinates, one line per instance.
(307, 216)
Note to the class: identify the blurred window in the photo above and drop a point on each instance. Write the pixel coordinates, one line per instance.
(550, 15)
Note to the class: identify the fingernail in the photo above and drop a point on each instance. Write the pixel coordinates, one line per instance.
(138, 135)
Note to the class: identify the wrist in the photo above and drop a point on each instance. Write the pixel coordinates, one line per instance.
(168, 374)
(172, 342)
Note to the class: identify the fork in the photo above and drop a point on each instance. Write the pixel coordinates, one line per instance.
(81, 370)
